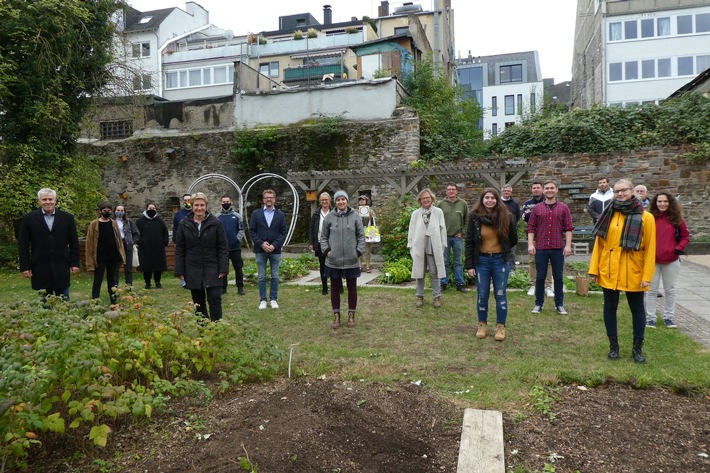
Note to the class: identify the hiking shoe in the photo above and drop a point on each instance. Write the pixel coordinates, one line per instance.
(240, 291)
(650, 324)
(482, 331)
(669, 323)
(561, 310)
(549, 292)
(461, 288)
(536, 309)
(420, 302)
(274, 305)
(531, 291)
(262, 305)
(500, 333)
(437, 302)
(158, 285)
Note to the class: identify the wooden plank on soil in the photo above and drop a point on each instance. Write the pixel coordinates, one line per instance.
(481, 448)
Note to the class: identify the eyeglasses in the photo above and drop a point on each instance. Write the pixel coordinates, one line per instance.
(621, 191)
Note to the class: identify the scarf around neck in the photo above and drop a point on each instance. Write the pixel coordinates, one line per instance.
(632, 232)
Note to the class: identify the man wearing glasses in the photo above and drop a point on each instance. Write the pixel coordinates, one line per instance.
(267, 229)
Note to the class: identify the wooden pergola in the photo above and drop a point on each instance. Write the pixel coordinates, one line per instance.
(404, 179)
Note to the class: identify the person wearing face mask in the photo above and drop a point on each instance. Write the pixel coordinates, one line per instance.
(490, 237)
(130, 236)
(104, 252)
(234, 229)
(182, 213)
(151, 245)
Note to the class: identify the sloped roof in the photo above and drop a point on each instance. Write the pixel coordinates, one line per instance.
(702, 78)
(133, 19)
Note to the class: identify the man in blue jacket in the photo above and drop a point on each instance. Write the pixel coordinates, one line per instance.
(182, 213)
(267, 230)
(234, 229)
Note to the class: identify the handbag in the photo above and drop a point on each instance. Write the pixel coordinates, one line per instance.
(372, 233)
(135, 263)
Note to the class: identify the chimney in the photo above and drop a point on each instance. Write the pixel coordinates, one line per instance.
(327, 15)
(383, 9)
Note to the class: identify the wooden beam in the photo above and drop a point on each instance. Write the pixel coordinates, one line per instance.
(481, 447)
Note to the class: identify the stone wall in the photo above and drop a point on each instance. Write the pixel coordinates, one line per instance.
(148, 173)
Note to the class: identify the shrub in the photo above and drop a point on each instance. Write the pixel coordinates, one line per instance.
(394, 227)
(519, 280)
(396, 271)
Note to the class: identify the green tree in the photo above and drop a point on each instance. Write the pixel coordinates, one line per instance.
(53, 59)
(448, 121)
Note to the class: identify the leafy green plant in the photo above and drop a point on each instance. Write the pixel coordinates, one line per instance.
(542, 398)
(394, 227)
(397, 271)
(519, 279)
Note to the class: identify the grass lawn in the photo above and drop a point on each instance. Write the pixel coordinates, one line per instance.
(395, 342)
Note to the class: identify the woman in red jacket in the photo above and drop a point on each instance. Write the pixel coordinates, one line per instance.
(671, 239)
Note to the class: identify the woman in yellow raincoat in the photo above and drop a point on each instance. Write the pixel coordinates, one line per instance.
(624, 259)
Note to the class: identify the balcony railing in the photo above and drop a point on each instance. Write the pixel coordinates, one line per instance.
(316, 73)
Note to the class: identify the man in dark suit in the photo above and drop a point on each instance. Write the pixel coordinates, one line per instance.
(49, 246)
(267, 230)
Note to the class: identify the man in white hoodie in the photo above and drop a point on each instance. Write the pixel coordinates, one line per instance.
(600, 199)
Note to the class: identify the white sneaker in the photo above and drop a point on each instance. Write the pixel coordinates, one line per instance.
(531, 291)
(549, 292)
(274, 305)
(262, 305)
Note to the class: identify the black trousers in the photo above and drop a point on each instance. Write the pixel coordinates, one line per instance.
(111, 269)
(211, 295)
(236, 258)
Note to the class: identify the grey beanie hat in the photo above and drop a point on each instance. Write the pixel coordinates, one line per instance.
(341, 193)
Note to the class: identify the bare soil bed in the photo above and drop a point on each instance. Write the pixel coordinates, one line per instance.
(332, 426)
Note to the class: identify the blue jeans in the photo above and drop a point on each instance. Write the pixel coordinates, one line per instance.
(456, 244)
(557, 259)
(487, 268)
(274, 259)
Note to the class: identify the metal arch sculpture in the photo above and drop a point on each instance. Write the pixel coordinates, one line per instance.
(296, 200)
(224, 178)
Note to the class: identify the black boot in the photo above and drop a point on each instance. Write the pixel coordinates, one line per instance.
(638, 354)
(613, 348)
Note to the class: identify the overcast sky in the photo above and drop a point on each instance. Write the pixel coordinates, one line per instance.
(483, 27)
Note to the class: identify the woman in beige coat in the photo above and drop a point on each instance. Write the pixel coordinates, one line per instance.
(426, 243)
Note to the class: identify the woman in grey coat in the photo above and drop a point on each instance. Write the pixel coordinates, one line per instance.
(342, 242)
(427, 243)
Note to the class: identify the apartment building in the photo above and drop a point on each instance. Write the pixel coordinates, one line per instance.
(630, 52)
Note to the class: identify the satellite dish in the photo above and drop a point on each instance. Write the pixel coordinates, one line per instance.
(229, 34)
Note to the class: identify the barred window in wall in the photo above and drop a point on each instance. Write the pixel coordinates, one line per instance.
(116, 130)
(142, 82)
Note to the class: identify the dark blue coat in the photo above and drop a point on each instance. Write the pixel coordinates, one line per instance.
(260, 232)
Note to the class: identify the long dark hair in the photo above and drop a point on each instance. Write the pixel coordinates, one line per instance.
(499, 216)
(674, 212)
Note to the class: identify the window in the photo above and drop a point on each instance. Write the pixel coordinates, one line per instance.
(270, 69)
(630, 29)
(494, 106)
(401, 29)
(615, 31)
(648, 69)
(664, 68)
(510, 105)
(116, 130)
(141, 49)
(171, 80)
(511, 73)
(663, 26)
(494, 130)
(702, 63)
(520, 104)
(194, 77)
(702, 22)
(631, 70)
(206, 76)
(647, 28)
(685, 66)
(615, 71)
(221, 75)
(685, 24)
(141, 82)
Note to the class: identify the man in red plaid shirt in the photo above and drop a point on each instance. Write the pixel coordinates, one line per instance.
(550, 239)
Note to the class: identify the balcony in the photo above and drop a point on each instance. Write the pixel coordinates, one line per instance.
(313, 73)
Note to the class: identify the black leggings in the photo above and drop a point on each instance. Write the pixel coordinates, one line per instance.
(336, 284)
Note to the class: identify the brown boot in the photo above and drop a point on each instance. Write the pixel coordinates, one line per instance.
(420, 302)
(482, 331)
(336, 322)
(437, 302)
(351, 319)
(500, 333)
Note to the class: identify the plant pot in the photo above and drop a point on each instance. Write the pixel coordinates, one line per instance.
(582, 285)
